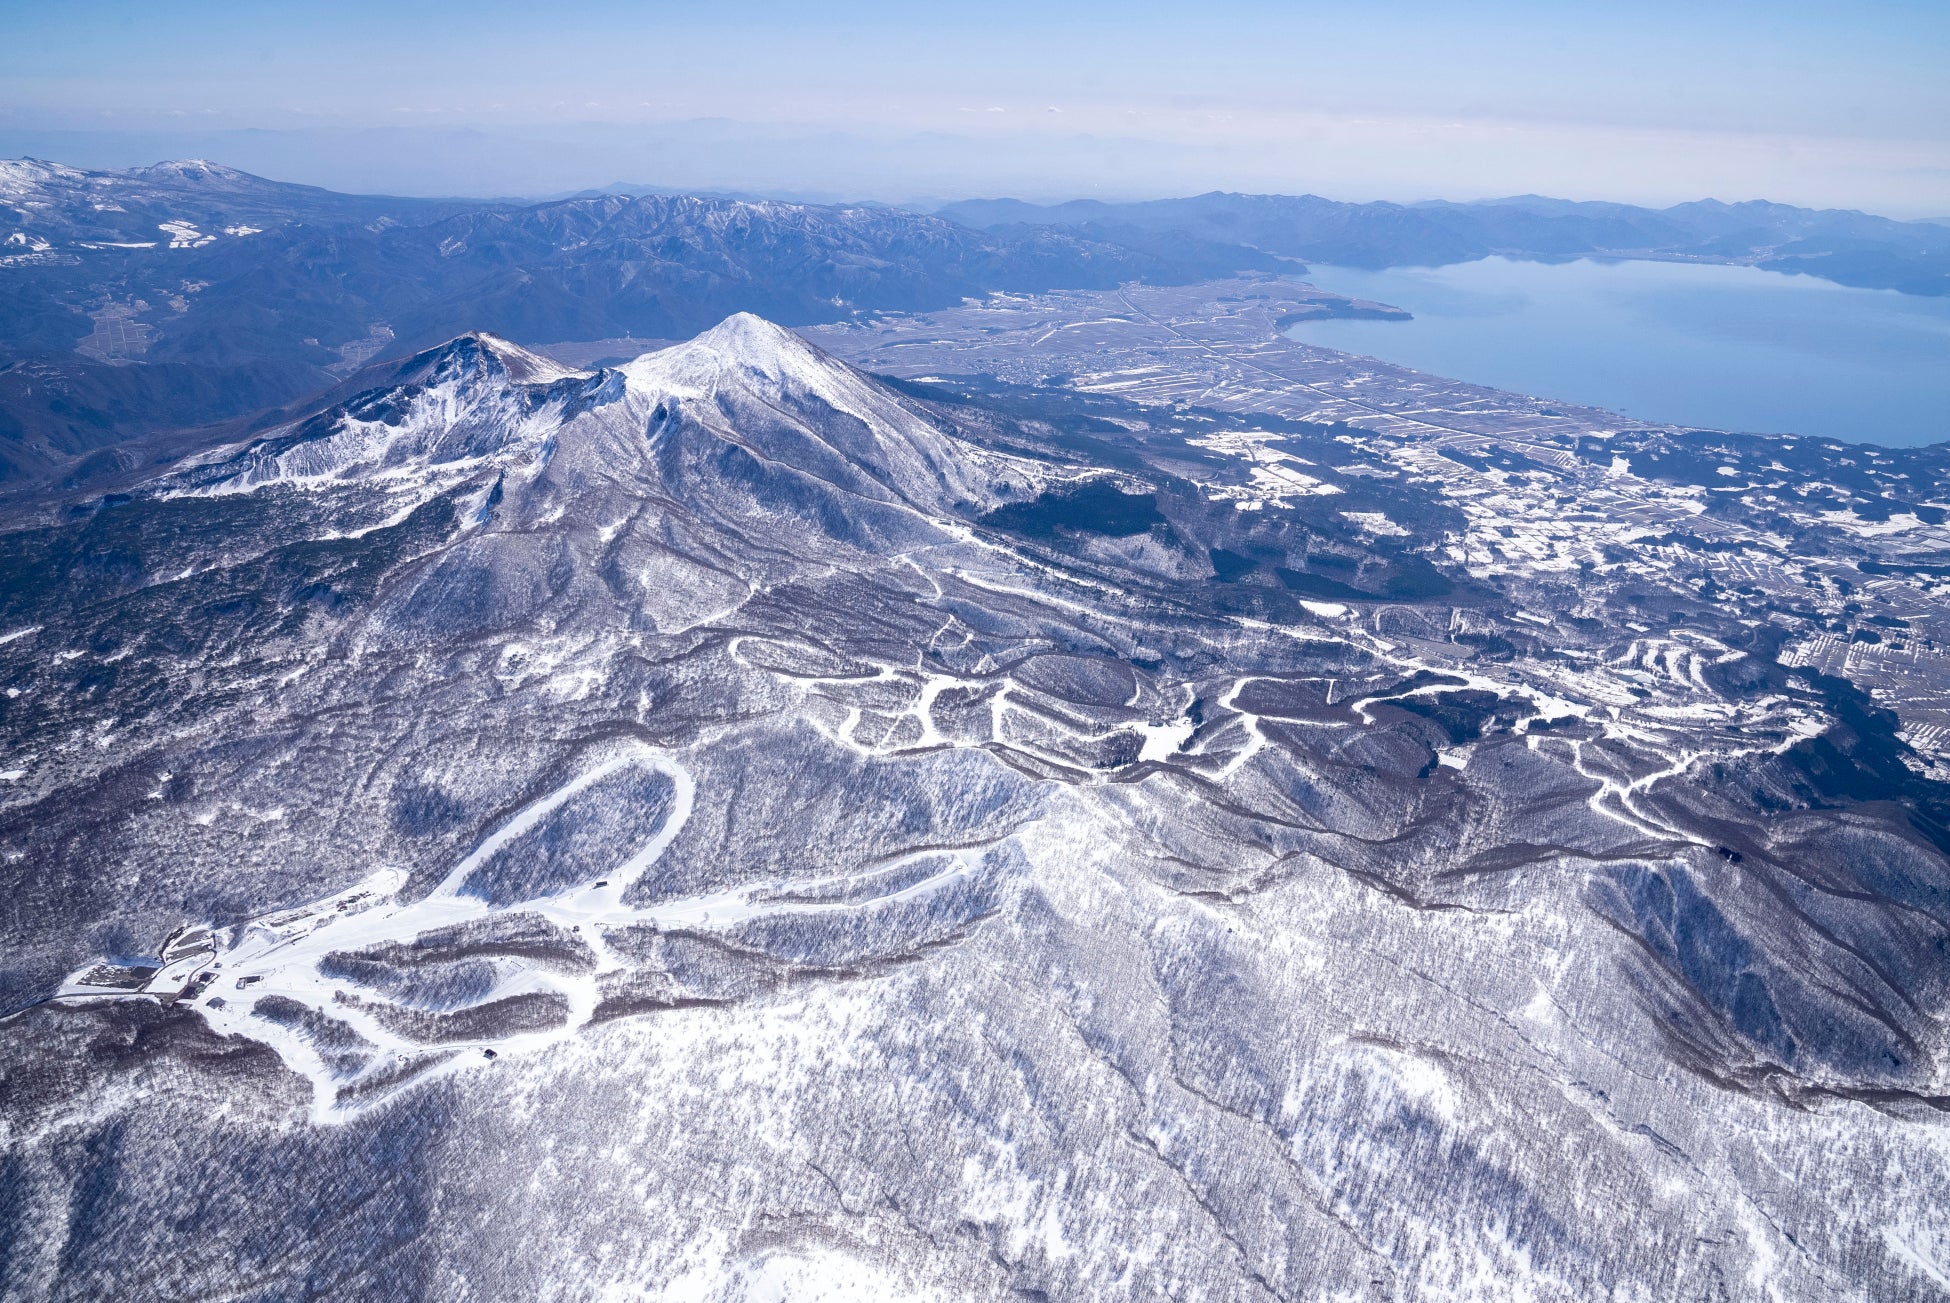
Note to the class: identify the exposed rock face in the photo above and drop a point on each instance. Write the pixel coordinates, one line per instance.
(729, 827)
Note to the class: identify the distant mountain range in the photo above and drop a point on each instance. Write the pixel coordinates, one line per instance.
(138, 302)
(237, 293)
(1849, 248)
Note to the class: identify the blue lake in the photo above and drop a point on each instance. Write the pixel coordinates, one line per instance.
(1731, 348)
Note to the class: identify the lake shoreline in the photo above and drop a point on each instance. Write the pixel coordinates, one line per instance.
(1706, 345)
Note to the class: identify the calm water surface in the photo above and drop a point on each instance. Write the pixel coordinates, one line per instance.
(1730, 348)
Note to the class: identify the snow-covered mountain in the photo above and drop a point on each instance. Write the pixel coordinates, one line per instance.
(188, 293)
(1850, 248)
(728, 826)
(64, 213)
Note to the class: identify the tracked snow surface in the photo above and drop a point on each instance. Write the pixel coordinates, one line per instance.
(730, 827)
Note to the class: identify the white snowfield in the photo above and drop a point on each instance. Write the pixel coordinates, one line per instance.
(184, 235)
(1274, 477)
(281, 956)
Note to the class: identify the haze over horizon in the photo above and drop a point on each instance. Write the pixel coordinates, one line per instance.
(1794, 103)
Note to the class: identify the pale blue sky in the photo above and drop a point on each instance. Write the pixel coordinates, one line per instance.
(1652, 102)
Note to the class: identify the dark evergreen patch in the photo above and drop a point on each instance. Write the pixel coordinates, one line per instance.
(1097, 507)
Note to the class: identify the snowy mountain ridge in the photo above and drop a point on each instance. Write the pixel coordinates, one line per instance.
(738, 811)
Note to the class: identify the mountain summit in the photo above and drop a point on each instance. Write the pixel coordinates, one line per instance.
(767, 391)
(746, 418)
